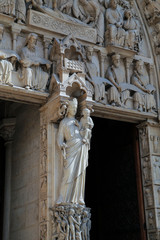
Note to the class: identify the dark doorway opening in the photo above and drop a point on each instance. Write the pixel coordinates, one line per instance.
(2, 175)
(111, 184)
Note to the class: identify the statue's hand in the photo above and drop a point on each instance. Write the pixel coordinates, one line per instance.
(84, 140)
(119, 89)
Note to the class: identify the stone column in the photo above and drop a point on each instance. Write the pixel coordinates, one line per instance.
(128, 63)
(7, 130)
(102, 57)
(46, 42)
(149, 136)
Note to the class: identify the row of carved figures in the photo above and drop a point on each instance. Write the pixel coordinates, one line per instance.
(71, 222)
(34, 73)
(113, 20)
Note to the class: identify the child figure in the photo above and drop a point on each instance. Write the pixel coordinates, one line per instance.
(86, 126)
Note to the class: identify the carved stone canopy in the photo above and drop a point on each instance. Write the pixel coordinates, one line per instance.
(7, 129)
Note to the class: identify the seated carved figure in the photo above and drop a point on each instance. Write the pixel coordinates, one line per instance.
(116, 76)
(92, 72)
(33, 67)
(7, 64)
(144, 99)
(131, 27)
(115, 33)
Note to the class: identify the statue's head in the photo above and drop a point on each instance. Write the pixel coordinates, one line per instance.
(128, 14)
(86, 112)
(113, 4)
(89, 53)
(116, 59)
(157, 27)
(72, 107)
(140, 66)
(31, 40)
(71, 212)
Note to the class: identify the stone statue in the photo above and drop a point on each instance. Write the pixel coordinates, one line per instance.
(7, 65)
(8, 7)
(131, 27)
(90, 12)
(66, 7)
(91, 72)
(71, 222)
(152, 11)
(20, 11)
(143, 100)
(34, 68)
(115, 34)
(75, 158)
(86, 126)
(156, 38)
(116, 75)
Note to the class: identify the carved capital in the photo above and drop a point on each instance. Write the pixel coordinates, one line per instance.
(7, 129)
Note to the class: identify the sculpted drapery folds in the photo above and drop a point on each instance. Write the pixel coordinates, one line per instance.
(33, 74)
(144, 100)
(115, 33)
(116, 76)
(91, 72)
(74, 145)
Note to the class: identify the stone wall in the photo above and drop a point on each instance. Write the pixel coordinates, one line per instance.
(25, 173)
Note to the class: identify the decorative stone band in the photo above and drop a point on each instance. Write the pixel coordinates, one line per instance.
(62, 26)
(71, 221)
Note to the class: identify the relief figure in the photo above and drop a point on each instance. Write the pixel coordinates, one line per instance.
(144, 100)
(116, 76)
(34, 69)
(115, 34)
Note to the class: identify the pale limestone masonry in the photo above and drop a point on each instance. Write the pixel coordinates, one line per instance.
(25, 175)
(104, 54)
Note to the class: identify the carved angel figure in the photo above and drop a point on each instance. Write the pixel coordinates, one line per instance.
(75, 158)
(152, 11)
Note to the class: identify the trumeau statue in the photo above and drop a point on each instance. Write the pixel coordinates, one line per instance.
(73, 140)
(34, 68)
(144, 100)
